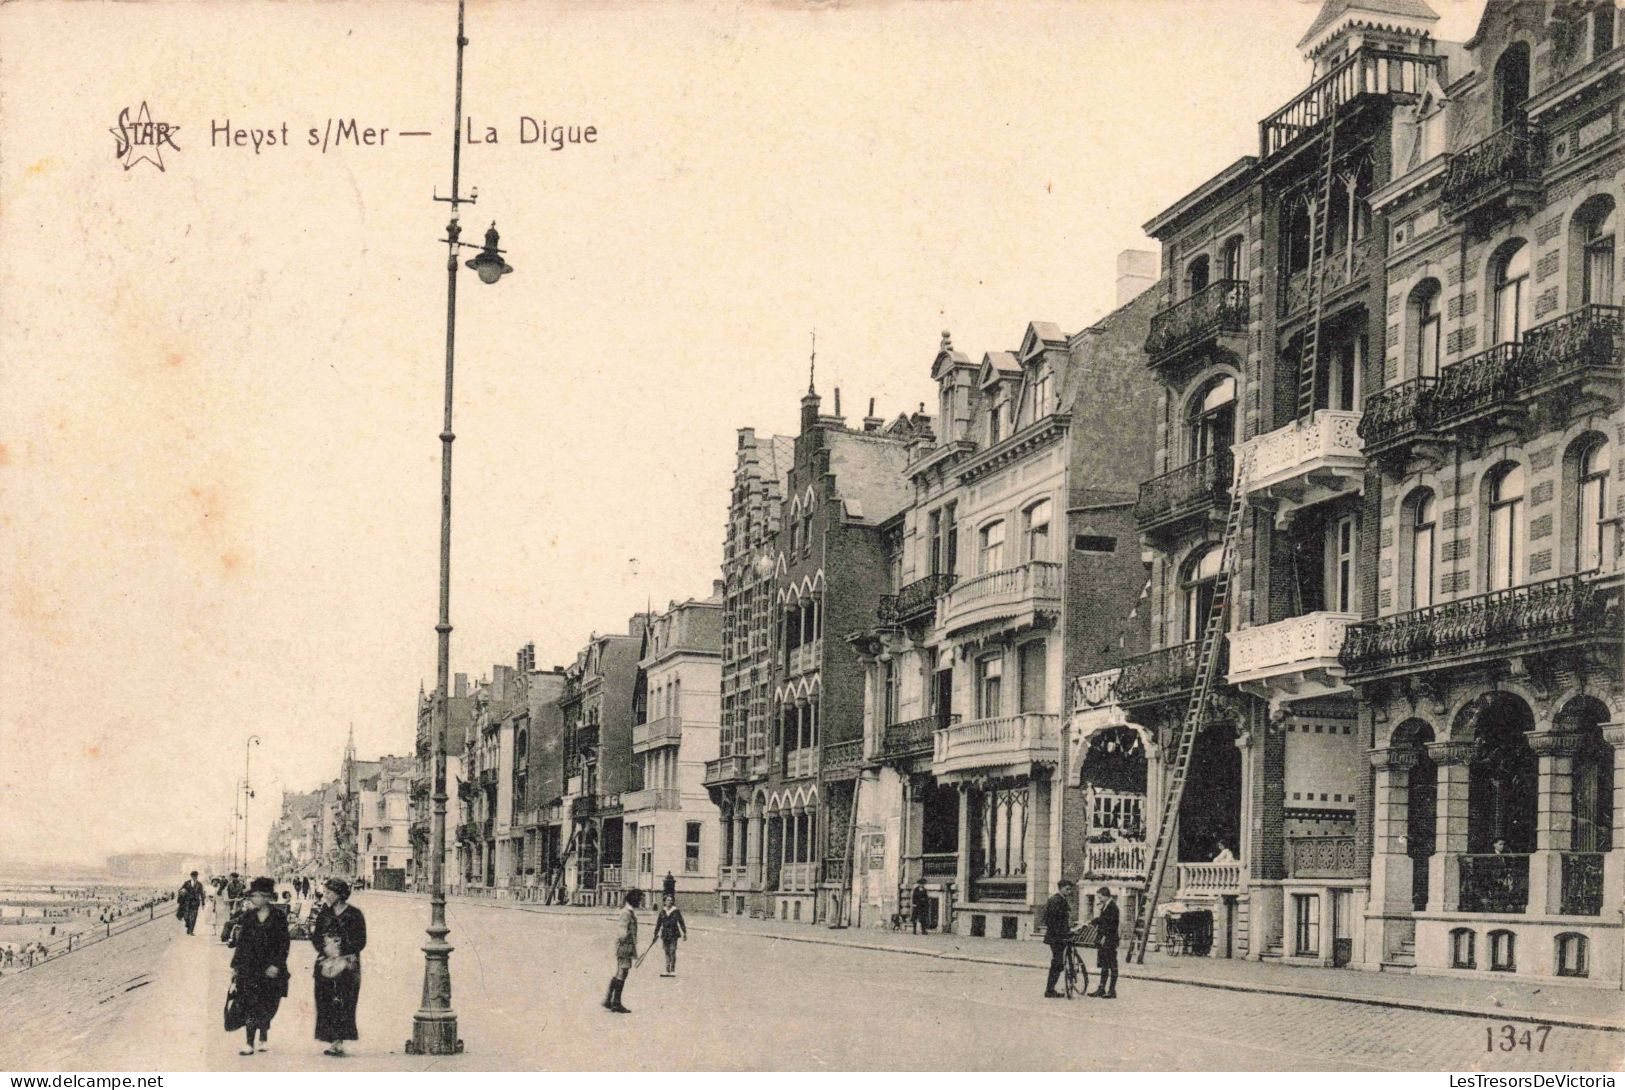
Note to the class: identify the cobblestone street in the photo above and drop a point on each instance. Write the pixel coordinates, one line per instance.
(528, 986)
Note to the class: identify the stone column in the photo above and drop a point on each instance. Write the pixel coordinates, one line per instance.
(1390, 859)
(1450, 836)
(962, 865)
(1554, 818)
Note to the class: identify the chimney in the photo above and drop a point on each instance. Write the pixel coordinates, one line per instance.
(872, 422)
(718, 588)
(459, 686)
(1136, 271)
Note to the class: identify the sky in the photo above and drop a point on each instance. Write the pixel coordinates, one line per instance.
(220, 383)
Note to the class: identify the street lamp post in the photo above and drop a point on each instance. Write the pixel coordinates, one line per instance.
(434, 1026)
(248, 791)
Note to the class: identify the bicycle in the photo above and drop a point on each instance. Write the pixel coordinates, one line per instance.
(1076, 972)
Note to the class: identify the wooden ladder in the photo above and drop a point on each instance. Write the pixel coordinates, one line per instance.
(1319, 238)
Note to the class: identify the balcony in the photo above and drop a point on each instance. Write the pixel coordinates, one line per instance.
(798, 877)
(1581, 884)
(913, 738)
(609, 876)
(1013, 742)
(1322, 857)
(1209, 880)
(1010, 596)
(1494, 883)
(727, 770)
(1498, 175)
(1345, 267)
(1292, 659)
(1567, 366)
(803, 659)
(652, 798)
(916, 602)
(1116, 859)
(1306, 462)
(665, 731)
(842, 760)
(1365, 72)
(1550, 615)
(1190, 494)
(583, 807)
(801, 762)
(1163, 674)
(1221, 307)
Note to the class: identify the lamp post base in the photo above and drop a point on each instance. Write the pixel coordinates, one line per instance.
(434, 1033)
(434, 1026)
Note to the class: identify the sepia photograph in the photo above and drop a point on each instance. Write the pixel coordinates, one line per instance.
(801, 536)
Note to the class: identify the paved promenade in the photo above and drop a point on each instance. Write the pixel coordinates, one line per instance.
(755, 994)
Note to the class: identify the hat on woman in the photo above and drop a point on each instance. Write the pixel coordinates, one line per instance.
(339, 886)
(266, 886)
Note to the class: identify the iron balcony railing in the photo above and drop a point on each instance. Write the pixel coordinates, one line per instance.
(915, 601)
(1163, 673)
(1494, 883)
(1221, 307)
(1497, 623)
(1194, 486)
(914, 737)
(1584, 341)
(843, 757)
(1513, 154)
(1365, 72)
(1582, 884)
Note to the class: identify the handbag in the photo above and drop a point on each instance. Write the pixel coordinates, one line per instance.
(234, 1016)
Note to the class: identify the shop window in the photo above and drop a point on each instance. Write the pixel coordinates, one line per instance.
(1461, 949)
(1572, 955)
(1503, 952)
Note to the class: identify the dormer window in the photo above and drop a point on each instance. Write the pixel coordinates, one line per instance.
(1042, 394)
(996, 417)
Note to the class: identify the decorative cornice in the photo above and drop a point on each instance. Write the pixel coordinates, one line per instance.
(1047, 430)
(1394, 759)
(1450, 753)
(1554, 743)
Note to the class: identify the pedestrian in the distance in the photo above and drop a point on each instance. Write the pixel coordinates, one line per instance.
(1106, 929)
(1057, 933)
(190, 900)
(670, 926)
(919, 919)
(339, 934)
(668, 886)
(626, 948)
(259, 966)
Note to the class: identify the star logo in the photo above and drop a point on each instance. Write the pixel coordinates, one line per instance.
(142, 139)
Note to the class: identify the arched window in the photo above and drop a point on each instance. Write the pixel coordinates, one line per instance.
(1201, 574)
(1196, 275)
(1212, 419)
(1505, 554)
(1592, 237)
(1511, 83)
(1461, 949)
(991, 553)
(1592, 476)
(1591, 799)
(1420, 516)
(1571, 956)
(1501, 777)
(1512, 293)
(1503, 952)
(1036, 530)
(1230, 259)
(1425, 329)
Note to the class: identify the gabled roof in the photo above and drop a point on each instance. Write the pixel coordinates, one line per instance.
(1041, 334)
(996, 366)
(948, 358)
(1373, 10)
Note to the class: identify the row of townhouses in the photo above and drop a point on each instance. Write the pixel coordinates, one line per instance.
(1300, 571)
(356, 825)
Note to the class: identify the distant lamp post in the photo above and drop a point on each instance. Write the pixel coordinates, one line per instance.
(434, 1026)
(248, 793)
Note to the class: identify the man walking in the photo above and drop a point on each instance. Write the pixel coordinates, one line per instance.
(626, 948)
(191, 899)
(919, 919)
(668, 886)
(670, 926)
(1057, 933)
(1106, 927)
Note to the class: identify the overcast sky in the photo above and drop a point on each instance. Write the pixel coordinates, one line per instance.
(219, 478)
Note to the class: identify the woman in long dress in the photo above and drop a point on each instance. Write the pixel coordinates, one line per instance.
(339, 934)
(259, 966)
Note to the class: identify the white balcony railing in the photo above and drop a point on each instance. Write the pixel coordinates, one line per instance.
(1010, 740)
(1307, 461)
(652, 798)
(1118, 859)
(798, 877)
(1294, 658)
(1009, 592)
(1209, 879)
(665, 731)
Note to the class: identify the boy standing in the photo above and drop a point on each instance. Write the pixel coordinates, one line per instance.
(626, 948)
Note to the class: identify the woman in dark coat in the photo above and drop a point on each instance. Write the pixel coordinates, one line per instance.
(339, 935)
(259, 967)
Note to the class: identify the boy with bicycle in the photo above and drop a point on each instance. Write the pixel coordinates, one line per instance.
(1058, 933)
